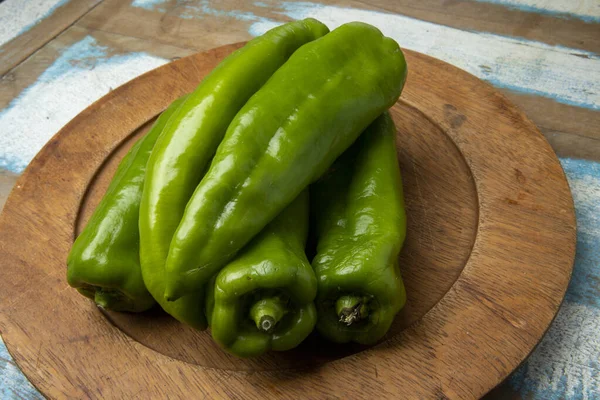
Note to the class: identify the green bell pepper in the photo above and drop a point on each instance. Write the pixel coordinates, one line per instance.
(104, 262)
(183, 152)
(285, 137)
(263, 299)
(358, 212)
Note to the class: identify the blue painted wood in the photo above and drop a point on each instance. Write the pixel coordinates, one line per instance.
(18, 16)
(566, 363)
(82, 73)
(13, 384)
(566, 75)
(586, 10)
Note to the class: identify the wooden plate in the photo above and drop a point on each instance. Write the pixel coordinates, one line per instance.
(488, 257)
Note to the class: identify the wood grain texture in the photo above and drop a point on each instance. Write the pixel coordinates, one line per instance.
(491, 213)
(7, 181)
(571, 130)
(551, 116)
(22, 77)
(573, 146)
(166, 26)
(181, 23)
(173, 24)
(18, 49)
(495, 18)
(446, 187)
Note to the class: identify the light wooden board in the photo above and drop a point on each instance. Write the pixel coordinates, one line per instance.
(7, 181)
(116, 15)
(85, 57)
(61, 15)
(487, 260)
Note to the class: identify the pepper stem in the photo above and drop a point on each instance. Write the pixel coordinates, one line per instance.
(267, 312)
(111, 300)
(351, 309)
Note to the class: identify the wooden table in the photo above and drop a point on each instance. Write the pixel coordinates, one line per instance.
(58, 56)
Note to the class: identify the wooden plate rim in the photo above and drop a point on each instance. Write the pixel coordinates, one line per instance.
(467, 289)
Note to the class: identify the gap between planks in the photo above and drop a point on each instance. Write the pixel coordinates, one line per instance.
(48, 40)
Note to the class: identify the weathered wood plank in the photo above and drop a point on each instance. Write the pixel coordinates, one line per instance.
(50, 88)
(56, 19)
(158, 19)
(499, 19)
(557, 87)
(522, 69)
(572, 131)
(565, 75)
(573, 146)
(176, 24)
(183, 28)
(553, 116)
(7, 181)
(565, 363)
(586, 10)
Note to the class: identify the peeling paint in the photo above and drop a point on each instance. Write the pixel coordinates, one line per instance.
(198, 9)
(17, 16)
(81, 75)
(586, 10)
(151, 5)
(13, 384)
(566, 75)
(566, 364)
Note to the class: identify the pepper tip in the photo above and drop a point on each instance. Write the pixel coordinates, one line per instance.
(170, 296)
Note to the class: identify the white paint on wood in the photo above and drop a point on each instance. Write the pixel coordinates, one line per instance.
(564, 74)
(566, 364)
(18, 16)
(587, 10)
(81, 75)
(567, 75)
(149, 4)
(13, 384)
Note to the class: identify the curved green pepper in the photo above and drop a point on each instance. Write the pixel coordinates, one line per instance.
(358, 211)
(104, 262)
(283, 138)
(181, 156)
(263, 299)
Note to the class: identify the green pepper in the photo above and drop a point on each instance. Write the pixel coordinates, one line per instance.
(285, 137)
(189, 141)
(263, 299)
(104, 262)
(358, 212)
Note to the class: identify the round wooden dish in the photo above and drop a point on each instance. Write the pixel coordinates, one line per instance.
(488, 257)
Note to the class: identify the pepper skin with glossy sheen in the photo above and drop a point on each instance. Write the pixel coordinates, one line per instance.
(263, 299)
(358, 211)
(104, 262)
(180, 157)
(283, 138)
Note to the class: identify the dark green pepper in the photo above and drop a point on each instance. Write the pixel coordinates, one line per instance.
(263, 299)
(104, 262)
(358, 211)
(183, 152)
(284, 138)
